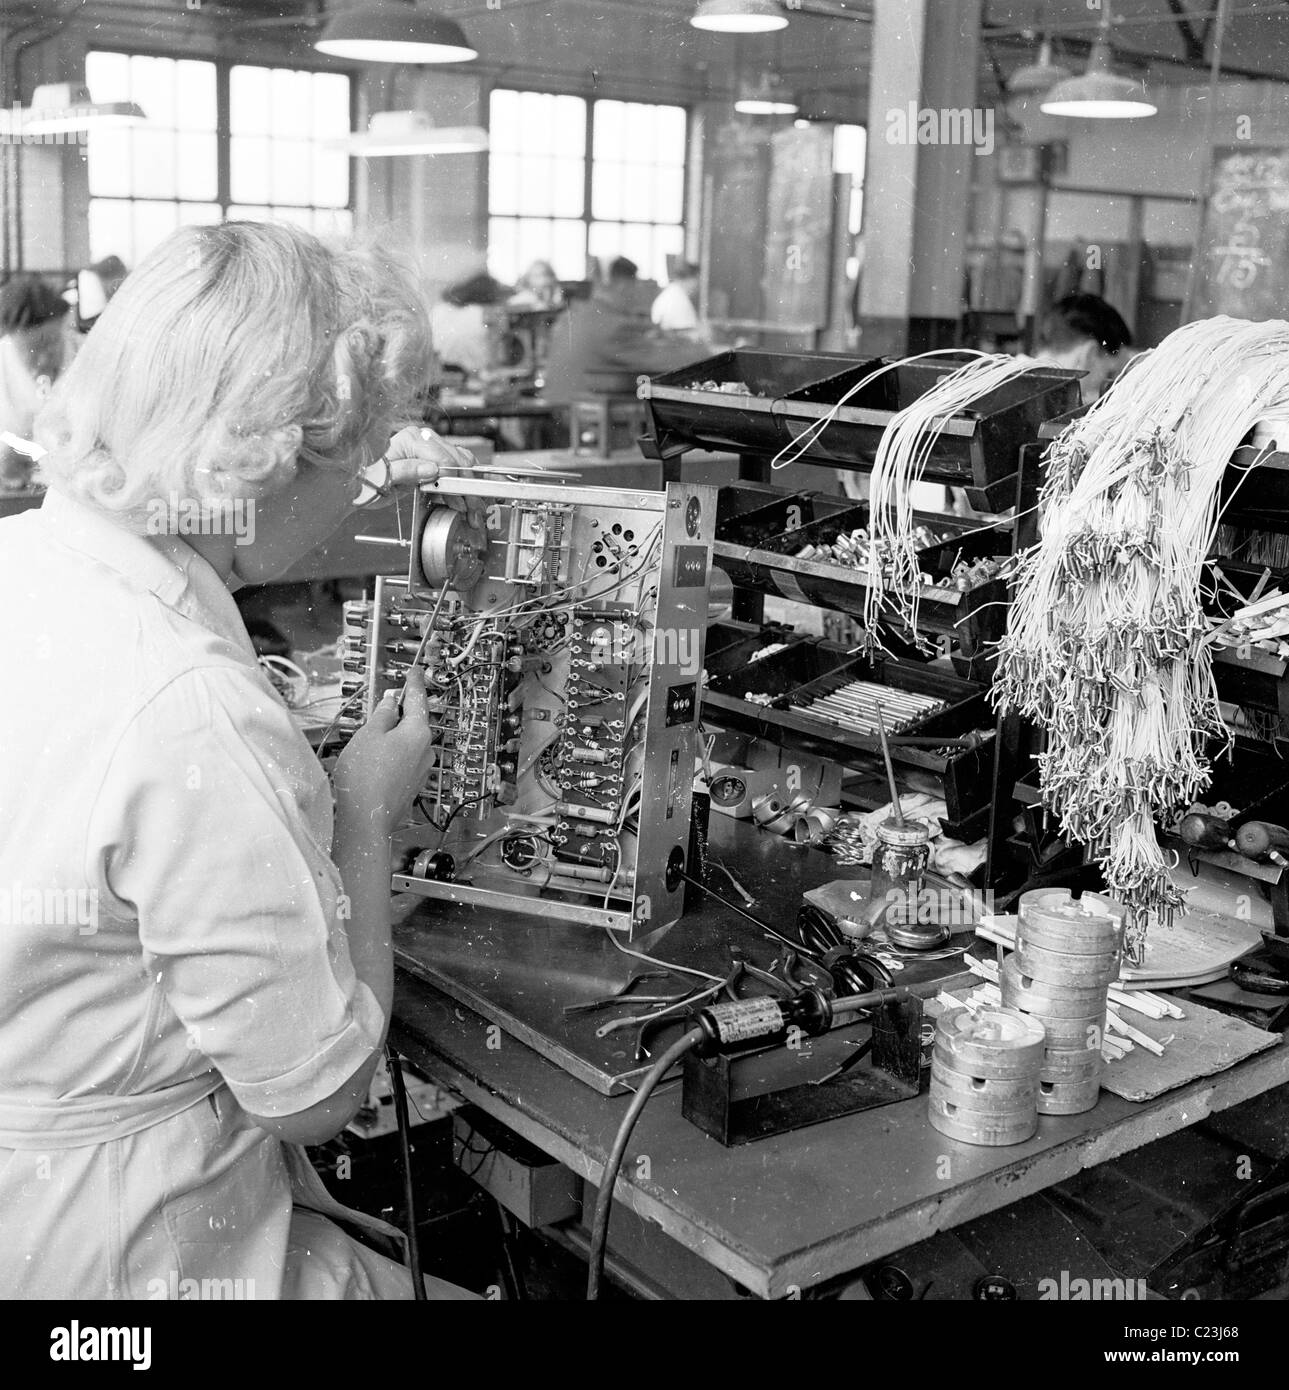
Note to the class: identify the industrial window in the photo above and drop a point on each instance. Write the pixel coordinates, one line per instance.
(548, 201)
(191, 164)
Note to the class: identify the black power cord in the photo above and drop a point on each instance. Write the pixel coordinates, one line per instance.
(604, 1197)
(405, 1149)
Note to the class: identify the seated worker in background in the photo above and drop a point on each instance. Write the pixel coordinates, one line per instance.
(93, 288)
(675, 309)
(459, 325)
(1085, 334)
(604, 343)
(32, 353)
(538, 288)
(209, 984)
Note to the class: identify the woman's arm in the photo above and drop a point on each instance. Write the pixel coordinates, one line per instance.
(382, 769)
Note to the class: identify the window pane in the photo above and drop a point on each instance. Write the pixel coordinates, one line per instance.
(637, 201)
(535, 186)
(109, 162)
(291, 103)
(330, 177)
(249, 214)
(291, 172)
(152, 85)
(567, 187)
(606, 187)
(330, 105)
(537, 130)
(196, 104)
(248, 101)
(299, 217)
(197, 173)
(153, 222)
(111, 230)
(610, 130)
(249, 169)
(503, 183)
(670, 134)
(668, 194)
(154, 163)
(107, 75)
(570, 126)
(199, 214)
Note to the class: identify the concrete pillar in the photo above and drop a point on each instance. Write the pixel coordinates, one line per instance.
(923, 132)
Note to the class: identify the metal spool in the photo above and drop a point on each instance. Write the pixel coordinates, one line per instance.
(1070, 1066)
(990, 1042)
(452, 551)
(1064, 968)
(985, 1095)
(1050, 919)
(973, 1128)
(1068, 1098)
(1021, 991)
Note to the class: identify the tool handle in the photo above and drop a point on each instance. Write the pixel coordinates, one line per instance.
(1259, 839)
(1202, 831)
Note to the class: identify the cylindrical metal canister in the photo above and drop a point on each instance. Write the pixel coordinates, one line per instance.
(1068, 1097)
(1051, 920)
(1065, 968)
(990, 1042)
(1032, 996)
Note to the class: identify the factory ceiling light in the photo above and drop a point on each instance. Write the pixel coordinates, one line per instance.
(62, 107)
(1100, 94)
(739, 16)
(765, 98)
(1037, 77)
(411, 132)
(393, 31)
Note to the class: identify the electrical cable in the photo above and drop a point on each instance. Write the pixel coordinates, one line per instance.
(1108, 648)
(409, 1191)
(604, 1196)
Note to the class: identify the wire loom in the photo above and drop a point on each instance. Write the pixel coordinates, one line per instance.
(1107, 647)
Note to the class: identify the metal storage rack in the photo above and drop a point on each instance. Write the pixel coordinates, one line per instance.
(759, 404)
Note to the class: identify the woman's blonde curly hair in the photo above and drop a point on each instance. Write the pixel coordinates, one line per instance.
(232, 355)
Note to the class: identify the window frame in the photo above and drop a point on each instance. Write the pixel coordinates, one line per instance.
(224, 128)
(586, 216)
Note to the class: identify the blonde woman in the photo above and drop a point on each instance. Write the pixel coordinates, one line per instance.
(195, 968)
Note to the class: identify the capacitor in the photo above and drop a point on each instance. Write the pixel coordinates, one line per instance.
(589, 755)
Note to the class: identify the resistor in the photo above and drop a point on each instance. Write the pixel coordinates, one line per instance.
(594, 813)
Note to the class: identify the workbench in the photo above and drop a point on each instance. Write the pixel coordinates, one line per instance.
(779, 1215)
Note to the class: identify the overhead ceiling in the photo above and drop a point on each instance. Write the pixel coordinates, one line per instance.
(1173, 39)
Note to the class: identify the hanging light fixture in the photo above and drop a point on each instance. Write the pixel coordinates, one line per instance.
(1037, 77)
(765, 97)
(394, 31)
(1100, 93)
(63, 107)
(739, 16)
(411, 132)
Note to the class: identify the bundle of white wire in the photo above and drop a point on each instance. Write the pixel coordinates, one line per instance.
(893, 576)
(1107, 644)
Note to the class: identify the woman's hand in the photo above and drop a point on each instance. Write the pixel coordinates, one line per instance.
(387, 762)
(415, 455)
